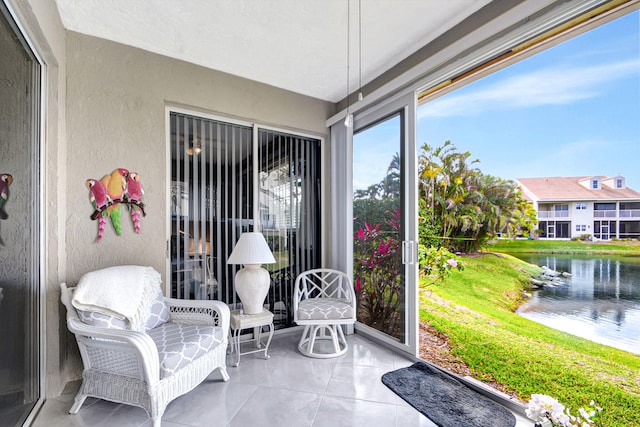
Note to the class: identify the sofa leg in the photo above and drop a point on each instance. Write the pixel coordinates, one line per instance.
(77, 403)
(223, 372)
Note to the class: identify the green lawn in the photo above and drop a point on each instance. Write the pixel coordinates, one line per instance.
(475, 308)
(621, 247)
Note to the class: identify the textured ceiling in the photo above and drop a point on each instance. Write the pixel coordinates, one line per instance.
(298, 45)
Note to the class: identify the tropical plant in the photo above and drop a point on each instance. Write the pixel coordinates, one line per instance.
(436, 263)
(470, 207)
(377, 264)
(377, 277)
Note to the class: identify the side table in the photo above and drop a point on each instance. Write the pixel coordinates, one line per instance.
(240, 321)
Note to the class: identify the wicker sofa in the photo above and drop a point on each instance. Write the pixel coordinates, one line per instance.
(175, 347)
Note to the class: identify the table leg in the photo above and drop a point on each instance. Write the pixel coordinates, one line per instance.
(257, 334)
(266, 348)
(236, 338)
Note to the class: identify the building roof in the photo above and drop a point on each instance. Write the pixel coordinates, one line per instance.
(573, 188)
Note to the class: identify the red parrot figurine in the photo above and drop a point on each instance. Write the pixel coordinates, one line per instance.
(5, 181)
(134, 197)
(100, 200)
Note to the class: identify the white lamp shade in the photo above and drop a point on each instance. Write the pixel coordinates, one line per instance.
(252, 281)
(251, 248)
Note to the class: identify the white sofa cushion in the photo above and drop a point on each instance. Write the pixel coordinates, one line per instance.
(179, 345)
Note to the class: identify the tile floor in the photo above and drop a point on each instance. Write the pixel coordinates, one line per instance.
(288, 390)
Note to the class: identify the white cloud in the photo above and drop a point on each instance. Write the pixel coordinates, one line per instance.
(577, 158)
(584, 149)
(369, 167)
(551, 86)
(373, 151)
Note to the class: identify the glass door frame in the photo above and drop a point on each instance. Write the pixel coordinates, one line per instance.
(197, 114)
(551, 230)
(36, 307)
(406, 107)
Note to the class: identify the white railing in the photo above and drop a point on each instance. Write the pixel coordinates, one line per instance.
(605, 214)
(553, 214)
(629, 213)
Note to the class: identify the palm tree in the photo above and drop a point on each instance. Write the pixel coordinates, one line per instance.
(390, 185)
(471, 207)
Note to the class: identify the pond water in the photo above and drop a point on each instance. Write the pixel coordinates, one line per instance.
(599, 302)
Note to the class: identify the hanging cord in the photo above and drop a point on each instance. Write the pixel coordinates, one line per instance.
(348, 48)
(348, 121)
(360, 50)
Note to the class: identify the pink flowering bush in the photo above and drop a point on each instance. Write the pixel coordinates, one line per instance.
(377, 276)
(377, 273)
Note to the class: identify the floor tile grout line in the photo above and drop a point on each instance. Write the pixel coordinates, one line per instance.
(288, 351)
(243, 404)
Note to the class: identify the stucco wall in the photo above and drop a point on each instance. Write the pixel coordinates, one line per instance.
(116, 97)
(115, 117)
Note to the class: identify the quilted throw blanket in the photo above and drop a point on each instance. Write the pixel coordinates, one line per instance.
(125, 292)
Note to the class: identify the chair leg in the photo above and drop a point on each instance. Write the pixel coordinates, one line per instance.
(332, 333)
(313, 332)
(342, 337)
(334, 338)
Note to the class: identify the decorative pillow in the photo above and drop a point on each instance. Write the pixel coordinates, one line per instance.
(94, 318)
(159, 312)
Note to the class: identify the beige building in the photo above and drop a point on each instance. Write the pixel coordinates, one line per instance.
(597, 206)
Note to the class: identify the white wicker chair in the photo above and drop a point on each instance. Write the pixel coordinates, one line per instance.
(323, 301)
(126, 366)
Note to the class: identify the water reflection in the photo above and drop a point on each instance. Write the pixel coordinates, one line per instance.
(600, 301)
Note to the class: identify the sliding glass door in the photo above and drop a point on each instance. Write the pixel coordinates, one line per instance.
(229, 178)
(20, 284)
(377, 225)
(211, 204)
(384, 226)
(289, 205)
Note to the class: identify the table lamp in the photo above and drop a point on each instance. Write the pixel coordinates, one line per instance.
(252, 281)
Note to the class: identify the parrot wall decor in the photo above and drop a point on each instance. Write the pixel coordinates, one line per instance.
(5, 181)
(134, 198)
(107, 196)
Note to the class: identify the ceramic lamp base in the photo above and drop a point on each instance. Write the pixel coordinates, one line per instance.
(252, 286)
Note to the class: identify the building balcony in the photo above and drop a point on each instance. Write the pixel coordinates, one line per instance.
(605, 214)
(622, 213)
(553, 214)
(629, 213)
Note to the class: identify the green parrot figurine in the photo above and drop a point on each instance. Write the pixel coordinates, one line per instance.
(116, 185)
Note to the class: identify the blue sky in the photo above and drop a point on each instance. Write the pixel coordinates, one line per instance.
(571, 110)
